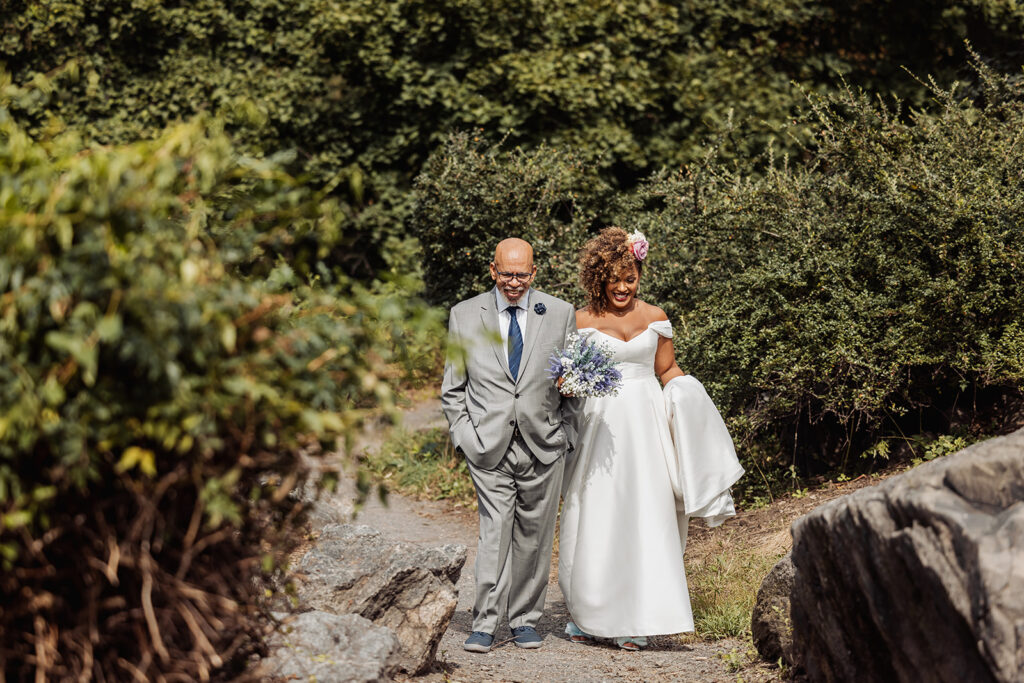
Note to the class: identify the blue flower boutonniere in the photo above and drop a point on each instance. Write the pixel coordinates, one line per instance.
(540, 309)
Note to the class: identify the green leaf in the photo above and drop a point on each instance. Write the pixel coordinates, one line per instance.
(16, 519)
(109, 328)
(134, 456)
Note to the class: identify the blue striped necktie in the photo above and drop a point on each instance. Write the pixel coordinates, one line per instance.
(515, 342)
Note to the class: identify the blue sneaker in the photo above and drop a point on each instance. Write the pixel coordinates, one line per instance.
(527, 637)
(478, 641)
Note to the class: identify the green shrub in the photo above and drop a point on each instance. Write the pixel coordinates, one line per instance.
(471, 196)
(877, 288)
(359, 93)
(154, 400)
(874, 290)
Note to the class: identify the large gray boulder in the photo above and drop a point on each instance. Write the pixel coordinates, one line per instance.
(330, 648)
(770, 625)
(920, 578)
(408, 588)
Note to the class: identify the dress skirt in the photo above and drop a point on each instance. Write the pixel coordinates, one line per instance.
(620, 543)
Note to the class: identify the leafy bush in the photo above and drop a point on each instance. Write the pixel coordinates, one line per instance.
(878, 288)
(874, 290)
(470, 197)
(361, 92)
(154, 401)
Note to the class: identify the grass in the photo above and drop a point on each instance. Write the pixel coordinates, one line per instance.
(724, 574)
(421, 465)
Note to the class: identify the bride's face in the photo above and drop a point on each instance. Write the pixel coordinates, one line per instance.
(620, 288)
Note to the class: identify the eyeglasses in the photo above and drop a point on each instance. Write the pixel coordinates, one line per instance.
(508, 277)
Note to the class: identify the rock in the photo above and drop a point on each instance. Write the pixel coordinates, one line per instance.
(324, 512)
(770, 624)
(330, 648)
(406, 587)
(918, 578)
(324, 507)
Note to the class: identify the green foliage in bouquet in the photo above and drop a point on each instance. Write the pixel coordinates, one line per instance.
(162, 369)
(878, 289)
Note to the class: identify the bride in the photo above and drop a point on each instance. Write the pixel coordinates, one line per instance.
(620, 540)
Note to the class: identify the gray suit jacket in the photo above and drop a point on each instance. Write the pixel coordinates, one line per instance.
(483, 403)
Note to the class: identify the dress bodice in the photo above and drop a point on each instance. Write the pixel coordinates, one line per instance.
(635, 357)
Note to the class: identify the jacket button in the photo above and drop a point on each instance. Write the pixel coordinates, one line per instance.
(511, 423)
(517, 395)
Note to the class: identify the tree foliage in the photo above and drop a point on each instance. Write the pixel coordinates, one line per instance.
(161, 370)
(362, 92)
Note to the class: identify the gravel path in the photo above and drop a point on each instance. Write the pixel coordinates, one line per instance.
(666, 659)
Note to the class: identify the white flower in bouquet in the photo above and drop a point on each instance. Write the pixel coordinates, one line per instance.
(586, 368)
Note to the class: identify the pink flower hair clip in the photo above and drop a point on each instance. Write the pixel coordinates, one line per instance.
(638, 245)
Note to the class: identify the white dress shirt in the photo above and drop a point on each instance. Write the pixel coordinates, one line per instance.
(504, 317)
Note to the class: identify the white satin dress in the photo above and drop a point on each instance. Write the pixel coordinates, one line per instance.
(620, 562)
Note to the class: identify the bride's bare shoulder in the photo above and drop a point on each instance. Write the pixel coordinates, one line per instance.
(584, 318)
(651, 313)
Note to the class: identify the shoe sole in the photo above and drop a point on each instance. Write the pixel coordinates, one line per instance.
(529, 646)
(476, 648)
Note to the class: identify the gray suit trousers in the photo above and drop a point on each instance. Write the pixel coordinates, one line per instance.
(518, 503)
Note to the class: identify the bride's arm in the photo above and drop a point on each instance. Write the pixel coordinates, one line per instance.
(665, 357)
(665, 361)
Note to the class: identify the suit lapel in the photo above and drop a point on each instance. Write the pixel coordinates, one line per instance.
(532, 332)
(492, 335)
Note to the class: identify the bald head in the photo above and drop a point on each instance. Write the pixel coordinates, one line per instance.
(512, 268)
(513, 249)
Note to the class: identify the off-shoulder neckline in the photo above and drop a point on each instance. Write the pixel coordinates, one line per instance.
(626, 341)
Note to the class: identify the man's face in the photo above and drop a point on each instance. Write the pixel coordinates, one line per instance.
(513, 269)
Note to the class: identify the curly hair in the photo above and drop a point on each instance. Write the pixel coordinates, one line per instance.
(602, 256)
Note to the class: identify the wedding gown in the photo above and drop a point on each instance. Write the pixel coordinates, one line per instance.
(620, 562)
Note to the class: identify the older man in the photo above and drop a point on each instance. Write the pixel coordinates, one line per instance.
(509, 420)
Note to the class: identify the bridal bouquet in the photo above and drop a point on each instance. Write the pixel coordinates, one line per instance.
(586, 367)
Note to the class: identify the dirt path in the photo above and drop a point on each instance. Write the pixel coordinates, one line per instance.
(666, 659)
